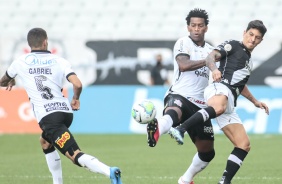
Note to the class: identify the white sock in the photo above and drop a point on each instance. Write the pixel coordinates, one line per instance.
(54, 164)
(94, 165)
(196, 166)
(164, 123)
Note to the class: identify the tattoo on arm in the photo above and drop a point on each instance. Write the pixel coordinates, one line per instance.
(185, 64)
(211, 60)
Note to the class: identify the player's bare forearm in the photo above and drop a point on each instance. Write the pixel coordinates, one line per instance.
(247, 94)
(185, 64)
(211, 60)
(76, 92)
(6, 81)
(77, 86)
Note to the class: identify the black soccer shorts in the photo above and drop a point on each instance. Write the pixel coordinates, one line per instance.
(204, 131)
(55, 131)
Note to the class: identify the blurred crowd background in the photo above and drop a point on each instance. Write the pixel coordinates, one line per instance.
(115, 42)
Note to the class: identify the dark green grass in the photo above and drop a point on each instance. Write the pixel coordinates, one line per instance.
(23, 162)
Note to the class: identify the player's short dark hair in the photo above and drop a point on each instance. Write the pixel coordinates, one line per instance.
(197, 12)
(36, 36)
(257, 24)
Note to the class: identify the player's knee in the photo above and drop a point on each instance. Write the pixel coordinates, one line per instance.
(207, 156)
(174, 116)
(44, 144)
(244, 145)
(247, 147)
(219, 110)
(77, 156)
(73, 153)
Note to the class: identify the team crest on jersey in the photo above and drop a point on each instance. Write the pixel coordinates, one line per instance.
(178, 102)
(62, 140)
(227, 47)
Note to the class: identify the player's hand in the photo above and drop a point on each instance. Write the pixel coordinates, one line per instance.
(11, 84)
(262, 106)
(216, 75)
(75, 104)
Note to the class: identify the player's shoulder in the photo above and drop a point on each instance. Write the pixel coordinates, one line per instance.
(184, 39)
(209, 46)
(231, 41)
(228, 45)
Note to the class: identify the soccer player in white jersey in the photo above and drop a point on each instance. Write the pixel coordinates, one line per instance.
(186, 94)
(221, 96)
(43, 74)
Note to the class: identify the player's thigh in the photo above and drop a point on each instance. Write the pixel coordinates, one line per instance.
(55, 129)
(220, 97)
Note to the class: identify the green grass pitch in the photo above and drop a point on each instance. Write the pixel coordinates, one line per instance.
(22, 160)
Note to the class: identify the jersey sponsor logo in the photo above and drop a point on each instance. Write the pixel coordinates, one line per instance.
(46, 71)
(61, 141)
(202, 72)
(32, 59)
(56, 106)
(193, 100)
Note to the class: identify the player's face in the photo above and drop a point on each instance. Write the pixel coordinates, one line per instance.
(197, 29)
(251, 38)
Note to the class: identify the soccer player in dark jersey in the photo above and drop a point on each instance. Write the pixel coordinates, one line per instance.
(43, 74)
(230, 80)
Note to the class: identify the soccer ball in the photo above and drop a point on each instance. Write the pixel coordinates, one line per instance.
(143, 112)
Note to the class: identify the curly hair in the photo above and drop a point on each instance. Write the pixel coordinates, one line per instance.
(197, 12)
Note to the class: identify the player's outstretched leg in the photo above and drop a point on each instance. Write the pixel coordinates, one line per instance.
(153, 133)
(115, 175)
(177, 134)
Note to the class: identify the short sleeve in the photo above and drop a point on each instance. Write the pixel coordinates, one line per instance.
(181, 47)
(12, 70)
(67, 68)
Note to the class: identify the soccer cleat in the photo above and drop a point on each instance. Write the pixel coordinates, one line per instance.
(176, 134)
(180, 181)
(115, 175)
(153, 133)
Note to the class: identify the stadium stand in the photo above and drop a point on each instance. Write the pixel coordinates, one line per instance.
(137, 20)
(144, 18)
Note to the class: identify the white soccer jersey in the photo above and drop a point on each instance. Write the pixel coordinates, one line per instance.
(190, 84)
(42, 75)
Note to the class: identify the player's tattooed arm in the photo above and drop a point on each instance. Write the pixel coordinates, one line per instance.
(211, 60)
(7, 82)
(185, 64)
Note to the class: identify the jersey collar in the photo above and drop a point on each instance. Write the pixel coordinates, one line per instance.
(196, 43)
(245, 49)
(43, 51)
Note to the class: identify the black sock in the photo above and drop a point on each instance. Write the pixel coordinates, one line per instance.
(199, 117)
(234, 162)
